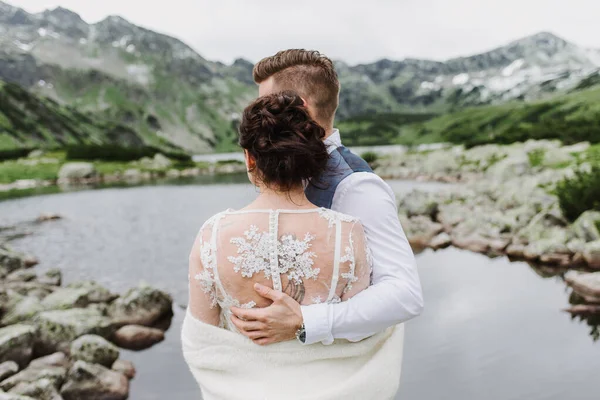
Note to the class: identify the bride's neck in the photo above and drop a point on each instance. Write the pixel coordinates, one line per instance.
(292, 199)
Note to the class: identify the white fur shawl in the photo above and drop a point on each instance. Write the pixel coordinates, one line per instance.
(228, 366)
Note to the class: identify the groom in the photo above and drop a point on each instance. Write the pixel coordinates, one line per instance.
(349, 187)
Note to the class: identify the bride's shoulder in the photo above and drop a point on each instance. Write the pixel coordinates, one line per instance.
(334, 216)
(211, 221)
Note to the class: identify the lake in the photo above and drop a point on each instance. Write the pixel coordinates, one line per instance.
(491, 329)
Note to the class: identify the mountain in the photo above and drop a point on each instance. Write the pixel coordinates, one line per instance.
(166, 92)
(156, 84)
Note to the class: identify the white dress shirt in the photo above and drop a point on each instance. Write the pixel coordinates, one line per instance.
(395, 295)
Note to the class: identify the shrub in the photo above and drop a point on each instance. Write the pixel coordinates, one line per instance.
(580, 193)
(370, 156)
(536, 157)
(12, 154)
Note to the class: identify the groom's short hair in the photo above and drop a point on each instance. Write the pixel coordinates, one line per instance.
(308, 73)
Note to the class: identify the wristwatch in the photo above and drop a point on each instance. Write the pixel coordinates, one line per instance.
(301, 334)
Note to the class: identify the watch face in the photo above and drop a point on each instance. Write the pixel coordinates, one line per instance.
(303, 337)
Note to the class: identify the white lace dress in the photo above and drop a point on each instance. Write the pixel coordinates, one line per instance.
(315, 255)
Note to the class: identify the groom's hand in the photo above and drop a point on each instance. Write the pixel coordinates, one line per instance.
(278, 322)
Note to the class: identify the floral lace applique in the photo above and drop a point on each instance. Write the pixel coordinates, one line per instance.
(349, 258)
(332, 216)
(255, 249)
(206, 277)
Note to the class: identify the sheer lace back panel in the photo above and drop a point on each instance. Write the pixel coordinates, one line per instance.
(315, 256)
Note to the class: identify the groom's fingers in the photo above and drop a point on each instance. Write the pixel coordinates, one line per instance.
(267, 292)
(247, 325)
(255, 314)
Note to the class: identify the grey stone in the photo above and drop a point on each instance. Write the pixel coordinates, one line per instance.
(57, 329)
(65, 298)
(95, 293)
(10, 260)
(29, 375)
(14, 396)
(94, 382)
(591, 254)
(441, 241)
(76, 171)
(43, 389)
(587, 226)
(585, 284)
(57, 359)
(136, 337)
(16, 344)
(94, 349)
(22, 275)
(52, 277)
(143, 305)
(8, 369)
(21, 309)
(420, 230)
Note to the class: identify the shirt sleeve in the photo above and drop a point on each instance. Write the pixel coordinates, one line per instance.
(395, 295)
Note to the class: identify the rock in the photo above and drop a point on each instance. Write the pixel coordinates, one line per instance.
(584, 310)
(553, 248)
(173, 174)
(52, 277)
(57, 329)
(21, 308)
(8, 369)
(161, 162)
(132, 175)
(516, 250)
(43, 389)
(65, 298)
(586, 285)
(94, 292)
(591, 254)
(16, 344)
(451, 215)
(512, 166)
(587, 226)
(35, 154)
(10, 260)
(419, 203)
(13, 396)
(125, 367)
(94, 349)
(136, 337)
(57, 359)
(48, 217)
(94, 382)
(56, 375)
(30, 289)
(143, 305)
(441, 241)
(21, 275)
(474, 243)
(76, 171)
(420, 230)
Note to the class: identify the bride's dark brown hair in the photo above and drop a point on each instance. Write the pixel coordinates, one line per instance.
(286, 143)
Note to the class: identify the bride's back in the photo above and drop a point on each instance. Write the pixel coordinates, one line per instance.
(314, 255)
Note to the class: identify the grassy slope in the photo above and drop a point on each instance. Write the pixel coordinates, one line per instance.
(571, 118)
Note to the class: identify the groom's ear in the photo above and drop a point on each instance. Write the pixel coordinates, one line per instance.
(304, 102)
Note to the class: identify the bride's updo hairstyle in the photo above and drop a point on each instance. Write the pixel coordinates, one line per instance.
(285, 142)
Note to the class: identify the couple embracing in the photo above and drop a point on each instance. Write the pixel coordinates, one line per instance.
(302, 293)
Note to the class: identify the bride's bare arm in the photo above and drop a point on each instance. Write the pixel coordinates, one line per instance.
(202, 297)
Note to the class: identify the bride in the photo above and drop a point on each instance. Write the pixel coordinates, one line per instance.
(282, 241)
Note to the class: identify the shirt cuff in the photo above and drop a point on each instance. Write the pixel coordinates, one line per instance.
(317, 323)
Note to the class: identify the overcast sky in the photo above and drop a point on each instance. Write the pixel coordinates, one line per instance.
(350, 30)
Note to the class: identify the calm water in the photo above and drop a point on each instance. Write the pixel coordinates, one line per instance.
(491, 330)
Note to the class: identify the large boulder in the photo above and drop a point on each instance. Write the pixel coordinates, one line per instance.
(587, 226)
(591, 254)
(22, 275)
(43, 389)
(586, 285)
(136, 337)
(20, 309)
(65, 298)
(58, 328)
(95, 293)
(76, 171)
(8, 369)
(10, 260)
(31, 289)
(16, 343)
(143, 305)
(56, 375)
(419, 203)
(94, 349)
(94, 382)
(420, 230)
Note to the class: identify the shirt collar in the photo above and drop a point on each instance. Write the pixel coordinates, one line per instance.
(333, 141)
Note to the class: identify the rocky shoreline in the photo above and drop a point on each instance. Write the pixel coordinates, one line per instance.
(503, 204)
(62, 342)
(143, 170)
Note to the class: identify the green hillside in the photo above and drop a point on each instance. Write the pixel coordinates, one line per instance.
(572, 118)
